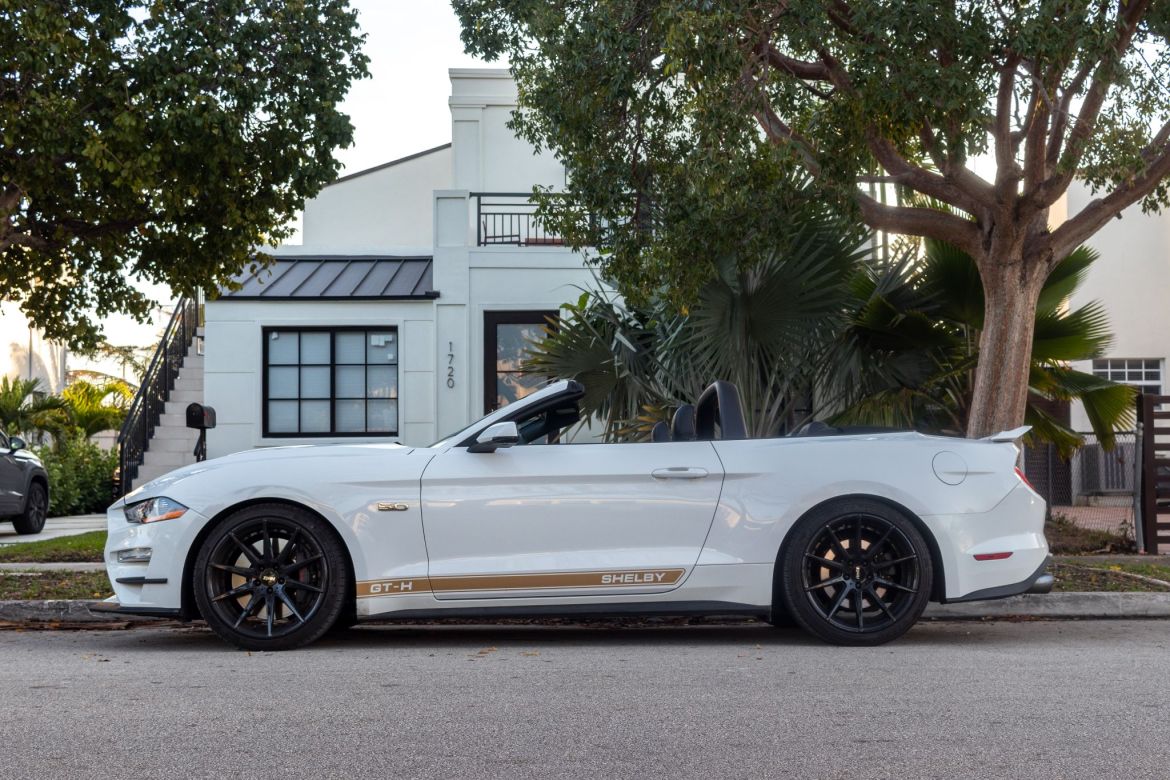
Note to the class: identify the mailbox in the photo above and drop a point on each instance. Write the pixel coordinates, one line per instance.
(200, 417)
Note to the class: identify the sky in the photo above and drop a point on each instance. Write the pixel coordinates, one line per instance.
(402, 108)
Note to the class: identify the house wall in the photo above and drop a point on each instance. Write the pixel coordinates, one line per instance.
(386, 208)
(423, 205)
(25, 354)
(233, 365)
(1131, 280)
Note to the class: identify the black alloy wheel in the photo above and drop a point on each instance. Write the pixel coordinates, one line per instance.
(36, 509)
(856, 573)
(271, 577)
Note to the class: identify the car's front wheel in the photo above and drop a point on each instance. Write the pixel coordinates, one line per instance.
(271, 577)
(36, 509)
(856, 572)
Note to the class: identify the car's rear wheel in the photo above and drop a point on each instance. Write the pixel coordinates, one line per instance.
(36, 509)
(856, 572)
(271, 577)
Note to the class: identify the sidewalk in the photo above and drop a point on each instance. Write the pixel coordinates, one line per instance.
(55, 527)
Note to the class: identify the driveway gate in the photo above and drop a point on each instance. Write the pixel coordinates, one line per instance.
(1154, 430)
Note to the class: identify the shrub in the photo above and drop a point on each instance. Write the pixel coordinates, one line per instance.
(81, 476)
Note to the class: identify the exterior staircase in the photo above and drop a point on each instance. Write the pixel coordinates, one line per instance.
(173, 443)
(154, 438)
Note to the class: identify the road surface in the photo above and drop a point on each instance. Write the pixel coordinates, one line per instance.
(950, 700)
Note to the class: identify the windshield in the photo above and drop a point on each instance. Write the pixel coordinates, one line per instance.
(451, 439)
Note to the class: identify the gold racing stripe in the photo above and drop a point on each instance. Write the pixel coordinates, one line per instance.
(618, 578)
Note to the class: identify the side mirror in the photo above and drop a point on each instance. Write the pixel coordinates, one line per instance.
(16, 443)
(494, 437)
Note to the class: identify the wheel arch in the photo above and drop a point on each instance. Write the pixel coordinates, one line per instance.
(938, 586)
(42, 479)
(190, 609)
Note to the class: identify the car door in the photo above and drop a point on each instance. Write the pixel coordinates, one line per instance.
(11, 480)
(567, 519)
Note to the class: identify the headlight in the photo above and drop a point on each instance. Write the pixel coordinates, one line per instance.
(154, 509)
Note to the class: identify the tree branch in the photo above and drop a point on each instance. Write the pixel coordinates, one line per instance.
(913, 221)
(1046, 193)
(1099, 211)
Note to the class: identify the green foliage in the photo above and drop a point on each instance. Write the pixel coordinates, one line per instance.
(764, 324)
(25, 408)
(94, 408)
(81, 476)
(908, 355)
(159, 140)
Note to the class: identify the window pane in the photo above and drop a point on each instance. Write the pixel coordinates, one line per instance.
(315, 382)
(351, 347)
(382, 416)
(382, 381)
(282, 348)
(513, 342)
(381, 348)
(282, 416)
(282, 383)
(314, 348)
(351, 416)
(349, 381)
(314, 416)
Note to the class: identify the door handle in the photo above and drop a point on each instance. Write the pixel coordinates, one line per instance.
(679, 472)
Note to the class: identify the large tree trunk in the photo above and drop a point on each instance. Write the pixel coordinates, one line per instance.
(1000, 397)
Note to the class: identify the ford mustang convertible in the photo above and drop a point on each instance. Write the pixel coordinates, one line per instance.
(847, 534)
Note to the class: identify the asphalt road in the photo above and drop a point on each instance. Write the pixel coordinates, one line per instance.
(950, 700)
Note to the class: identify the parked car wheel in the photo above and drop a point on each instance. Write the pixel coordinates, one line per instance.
(271, 577)
(856, 572)
(36, 509)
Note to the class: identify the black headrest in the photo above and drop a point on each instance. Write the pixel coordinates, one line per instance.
(719, 404)
(660, 432)
(682, 427)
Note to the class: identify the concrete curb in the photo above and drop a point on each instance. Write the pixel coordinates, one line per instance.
(1060, 606)
(61, 611)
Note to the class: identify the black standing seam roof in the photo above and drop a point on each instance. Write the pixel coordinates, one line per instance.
(338, 277)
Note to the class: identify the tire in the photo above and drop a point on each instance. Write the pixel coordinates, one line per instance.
(36, 509)
(271, 577)
(865, 598)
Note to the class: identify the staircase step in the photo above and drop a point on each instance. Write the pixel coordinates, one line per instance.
(172, 460)
(147, 473)
(185, 397)
(185, 384)
(173, 420)
(165, 444)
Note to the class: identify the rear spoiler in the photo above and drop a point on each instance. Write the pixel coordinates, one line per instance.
(1008, 436)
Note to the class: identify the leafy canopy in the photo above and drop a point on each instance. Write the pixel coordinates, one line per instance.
(662, 111)
(161, 141)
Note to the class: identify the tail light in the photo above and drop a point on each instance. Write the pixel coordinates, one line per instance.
(1024, 478)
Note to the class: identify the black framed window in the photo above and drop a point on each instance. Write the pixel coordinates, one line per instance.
(330, 381)
(507, 337)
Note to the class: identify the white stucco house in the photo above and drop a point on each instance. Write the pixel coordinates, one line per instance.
(404, 312)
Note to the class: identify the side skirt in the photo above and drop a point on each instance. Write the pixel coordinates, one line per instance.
(639, 609)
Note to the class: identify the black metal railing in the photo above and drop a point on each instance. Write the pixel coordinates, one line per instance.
(154, 392)
(510, 219)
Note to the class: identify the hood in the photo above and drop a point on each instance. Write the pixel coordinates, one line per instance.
(262, 455)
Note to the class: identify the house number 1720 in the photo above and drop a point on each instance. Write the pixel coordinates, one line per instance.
(451, 364)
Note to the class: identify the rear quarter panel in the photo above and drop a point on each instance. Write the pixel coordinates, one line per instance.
(771, 483)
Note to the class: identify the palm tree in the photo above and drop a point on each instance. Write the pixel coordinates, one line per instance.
(94, 408)
(764, 325)
(907, 356)
(25, 409)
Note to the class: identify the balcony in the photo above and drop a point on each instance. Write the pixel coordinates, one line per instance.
(509, 219)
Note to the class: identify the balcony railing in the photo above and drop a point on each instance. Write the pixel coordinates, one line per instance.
(509, 219)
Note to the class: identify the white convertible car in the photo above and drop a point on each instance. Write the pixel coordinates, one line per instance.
(847, 534)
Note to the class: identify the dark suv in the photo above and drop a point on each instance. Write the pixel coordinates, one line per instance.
(24, 486)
